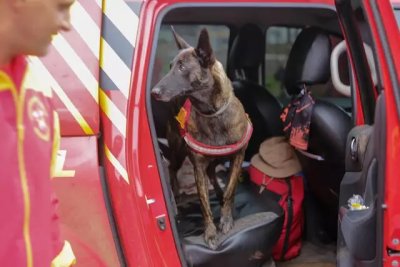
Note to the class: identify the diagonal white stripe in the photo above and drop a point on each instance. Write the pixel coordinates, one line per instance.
(77, 65)
(61, 94)
(86, 28)
(116, 69)
(123, 18)
(117, 165)
(98, 2)
(90, 32)
(113, 113)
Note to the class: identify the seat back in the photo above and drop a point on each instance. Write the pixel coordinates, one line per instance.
(245, 66)
(324, 161)
(246, 55)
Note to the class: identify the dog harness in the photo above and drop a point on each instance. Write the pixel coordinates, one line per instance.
(204, 149)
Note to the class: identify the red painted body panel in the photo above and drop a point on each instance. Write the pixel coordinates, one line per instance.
(82, 211)
(392, 182)
(171, 2)
(72, 68)
(143, 243)
(125, 196)
(77, 77)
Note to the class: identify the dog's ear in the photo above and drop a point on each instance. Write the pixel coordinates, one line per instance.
(179, 40)
(204, 50)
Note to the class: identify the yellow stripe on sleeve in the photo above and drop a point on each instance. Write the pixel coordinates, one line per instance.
(65, 258)
(56, 143)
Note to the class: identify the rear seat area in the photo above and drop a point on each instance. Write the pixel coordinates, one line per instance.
(246, 63)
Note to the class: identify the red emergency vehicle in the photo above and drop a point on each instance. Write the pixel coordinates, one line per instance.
(116, 206)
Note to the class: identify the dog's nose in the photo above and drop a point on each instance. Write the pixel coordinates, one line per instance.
(156, 92)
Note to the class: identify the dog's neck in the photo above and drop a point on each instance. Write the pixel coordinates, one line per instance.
(216, 98)
(216, 113)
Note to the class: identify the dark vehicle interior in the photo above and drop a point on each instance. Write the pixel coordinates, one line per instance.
(270, 52)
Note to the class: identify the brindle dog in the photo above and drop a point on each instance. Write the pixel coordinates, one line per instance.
(217, 119)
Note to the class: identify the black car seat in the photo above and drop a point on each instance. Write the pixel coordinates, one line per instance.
(258, 225)
(245, 63)
(324, 161)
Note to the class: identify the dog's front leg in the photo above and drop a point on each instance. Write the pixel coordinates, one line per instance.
(200, 164)
(226, 222)
(177, 156)
(213, 177)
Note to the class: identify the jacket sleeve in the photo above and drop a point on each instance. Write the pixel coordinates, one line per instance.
(65, 257)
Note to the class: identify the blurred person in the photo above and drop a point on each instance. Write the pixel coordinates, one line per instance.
(29, 136)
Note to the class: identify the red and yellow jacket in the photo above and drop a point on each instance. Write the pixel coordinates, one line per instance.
(28, 145)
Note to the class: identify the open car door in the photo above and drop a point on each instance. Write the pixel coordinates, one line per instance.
(369, 213)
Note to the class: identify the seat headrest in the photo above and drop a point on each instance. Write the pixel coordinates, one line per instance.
(248, 48)
(309, 60)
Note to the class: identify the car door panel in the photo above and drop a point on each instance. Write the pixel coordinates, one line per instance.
(358, 230)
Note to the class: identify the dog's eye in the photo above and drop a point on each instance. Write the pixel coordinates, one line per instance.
(181, 67)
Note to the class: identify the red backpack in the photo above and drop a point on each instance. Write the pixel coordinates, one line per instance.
(291, 192)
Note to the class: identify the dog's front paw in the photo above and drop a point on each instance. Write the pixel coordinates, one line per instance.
(226, 223)
(210, 236)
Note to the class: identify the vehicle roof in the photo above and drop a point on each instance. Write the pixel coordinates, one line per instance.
(328, 2)
(281, 14)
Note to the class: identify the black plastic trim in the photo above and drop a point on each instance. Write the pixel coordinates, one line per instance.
(359, 59)
(111, 219)
(380, 153)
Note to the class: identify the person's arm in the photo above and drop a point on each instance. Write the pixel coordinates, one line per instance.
(65, 257)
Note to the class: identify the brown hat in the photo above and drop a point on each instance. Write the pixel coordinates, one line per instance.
(276, 158)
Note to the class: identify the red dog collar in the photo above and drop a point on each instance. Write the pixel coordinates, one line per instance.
(204, 149)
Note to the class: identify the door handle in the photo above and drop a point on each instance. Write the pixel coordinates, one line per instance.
(354, 149)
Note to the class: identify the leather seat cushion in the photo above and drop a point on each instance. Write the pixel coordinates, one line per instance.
(258, 224)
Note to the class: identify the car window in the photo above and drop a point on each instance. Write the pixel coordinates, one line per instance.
(167, 50)
(279, 41)
(397, 15)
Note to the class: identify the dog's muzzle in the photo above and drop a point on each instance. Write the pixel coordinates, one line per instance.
(156, 93)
